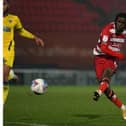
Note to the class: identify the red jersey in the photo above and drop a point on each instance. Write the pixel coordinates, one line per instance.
(108, 36)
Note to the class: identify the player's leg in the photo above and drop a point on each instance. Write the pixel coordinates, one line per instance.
(103, 76)
(103, 84)
(105, 68)
(113, 97)
(8, 63)
(109, 67)
(6, 70)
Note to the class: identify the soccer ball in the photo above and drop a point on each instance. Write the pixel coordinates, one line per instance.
(39, 86)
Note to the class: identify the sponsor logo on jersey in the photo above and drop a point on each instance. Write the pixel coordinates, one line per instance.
(6, 29)
(121, 40)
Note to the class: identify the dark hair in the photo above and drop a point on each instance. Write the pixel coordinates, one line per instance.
(122, 14)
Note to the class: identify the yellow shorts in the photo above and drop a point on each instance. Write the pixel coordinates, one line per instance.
(8, 56)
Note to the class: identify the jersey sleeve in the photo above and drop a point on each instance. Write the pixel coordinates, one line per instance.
(105, 35)
(23, 32)
(18, 24)
(105, 49)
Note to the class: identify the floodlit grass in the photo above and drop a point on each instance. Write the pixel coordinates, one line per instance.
(61, 106)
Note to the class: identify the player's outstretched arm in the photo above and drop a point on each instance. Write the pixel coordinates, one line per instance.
(105, 49)
(24, 33)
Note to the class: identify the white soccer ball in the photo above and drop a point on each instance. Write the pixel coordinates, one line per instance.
(39, 86)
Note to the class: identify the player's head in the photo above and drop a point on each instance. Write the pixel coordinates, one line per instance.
(120, 22)
(5, 6)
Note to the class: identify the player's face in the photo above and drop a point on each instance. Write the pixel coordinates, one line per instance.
(120, 24)
(5, 5)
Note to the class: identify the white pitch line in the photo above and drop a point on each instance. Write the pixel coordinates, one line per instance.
(26, 124)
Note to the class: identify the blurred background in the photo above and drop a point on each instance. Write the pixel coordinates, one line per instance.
(70, 30)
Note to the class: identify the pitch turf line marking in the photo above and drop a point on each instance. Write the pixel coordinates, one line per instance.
(26, 124)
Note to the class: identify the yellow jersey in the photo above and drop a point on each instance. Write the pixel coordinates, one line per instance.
(12, 23)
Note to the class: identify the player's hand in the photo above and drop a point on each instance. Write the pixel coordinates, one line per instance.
(120, 56)
(39, 41)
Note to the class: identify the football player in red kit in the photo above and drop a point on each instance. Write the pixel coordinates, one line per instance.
(107, 53)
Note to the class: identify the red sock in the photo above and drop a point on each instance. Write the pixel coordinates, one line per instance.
(103, 86)
(116, 101)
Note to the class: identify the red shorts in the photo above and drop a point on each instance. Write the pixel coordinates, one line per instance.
(102, 63)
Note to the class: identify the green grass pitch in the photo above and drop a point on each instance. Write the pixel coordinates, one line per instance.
(62, 106)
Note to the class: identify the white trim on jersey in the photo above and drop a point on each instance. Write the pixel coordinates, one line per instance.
(112, 30)
(121, 40)
(95, 52)
(114, 48)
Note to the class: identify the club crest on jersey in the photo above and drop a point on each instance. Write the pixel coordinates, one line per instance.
(9, 20)
(105, 38)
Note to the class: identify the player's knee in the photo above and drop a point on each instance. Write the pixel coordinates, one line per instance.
(107, 73)
(99, 79)
(109, 93)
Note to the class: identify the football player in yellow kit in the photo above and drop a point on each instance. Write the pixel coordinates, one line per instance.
(12, 23)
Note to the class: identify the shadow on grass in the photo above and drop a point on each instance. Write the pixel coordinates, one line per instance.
(89, 116)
